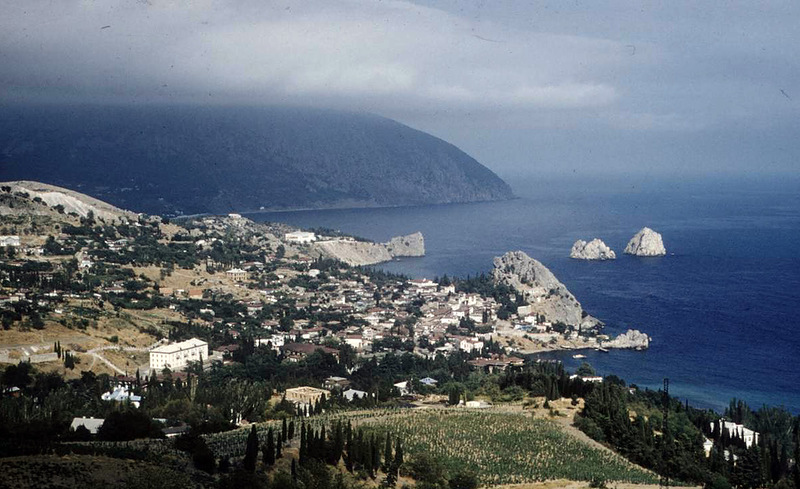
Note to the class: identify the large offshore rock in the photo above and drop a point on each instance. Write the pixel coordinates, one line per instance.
(646, 243)
(593, 250)
(632, 339)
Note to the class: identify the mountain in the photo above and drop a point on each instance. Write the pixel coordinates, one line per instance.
(182, 159)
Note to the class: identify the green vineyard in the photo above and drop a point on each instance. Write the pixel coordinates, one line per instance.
(501, 447)
(507, 448)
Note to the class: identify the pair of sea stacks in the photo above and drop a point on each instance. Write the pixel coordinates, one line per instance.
(644, 243)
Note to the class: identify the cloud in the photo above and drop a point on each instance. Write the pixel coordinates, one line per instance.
(354, 54)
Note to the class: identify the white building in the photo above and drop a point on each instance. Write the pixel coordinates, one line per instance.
(351, 394)
(747, 435)
(470, 345)
(275, 341)
(355, 341)
(236, 274)
(403, 387)
(177, 355)
(300, 237)
(122, 394)
(91, 424)
(423, 283)
(9, 241)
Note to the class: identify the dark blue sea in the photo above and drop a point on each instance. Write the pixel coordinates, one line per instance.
(721, 307)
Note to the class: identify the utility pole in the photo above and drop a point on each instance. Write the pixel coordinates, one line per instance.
(664, 479)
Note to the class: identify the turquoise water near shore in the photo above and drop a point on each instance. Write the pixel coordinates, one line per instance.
(721, 306)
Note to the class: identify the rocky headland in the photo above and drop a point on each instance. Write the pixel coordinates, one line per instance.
(543, 291)
(361, 253)
(595, 249)
(646, 243)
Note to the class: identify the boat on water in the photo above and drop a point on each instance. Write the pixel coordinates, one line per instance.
(600, 348)
(578, 356)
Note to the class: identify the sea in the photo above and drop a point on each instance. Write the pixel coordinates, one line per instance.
(721, 307)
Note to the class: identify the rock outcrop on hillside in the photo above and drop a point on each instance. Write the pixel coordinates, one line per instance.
(593, 250)
(633, 339)
(196, 160)
(360, 253)
(543, 291)
(646, 243)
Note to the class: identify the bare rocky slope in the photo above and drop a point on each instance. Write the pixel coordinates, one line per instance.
(362, 253)
(35, 198)
(191, 160)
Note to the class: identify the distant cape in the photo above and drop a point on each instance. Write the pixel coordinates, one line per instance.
(188, 160)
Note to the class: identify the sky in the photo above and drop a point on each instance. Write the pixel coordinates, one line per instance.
(680, 88)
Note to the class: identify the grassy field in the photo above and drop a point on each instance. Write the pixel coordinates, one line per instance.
(507, 448)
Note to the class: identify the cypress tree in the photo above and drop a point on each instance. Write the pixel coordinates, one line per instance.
(294, 471)
(359, 450)
(313, 443)
(349, 449)
(321, 450)
(291, 430)
(284, 430)
(278, 451)
(375, 456)
(303, 443)
(251, 453)
(269, 449)
(337, 444)
(367, 456)
(454, 396)
(398, 454)
(387, 454)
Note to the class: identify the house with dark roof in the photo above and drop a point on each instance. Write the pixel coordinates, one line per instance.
(294, 352)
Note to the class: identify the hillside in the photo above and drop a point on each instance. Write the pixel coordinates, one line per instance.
(25, 198)
(215, 159)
